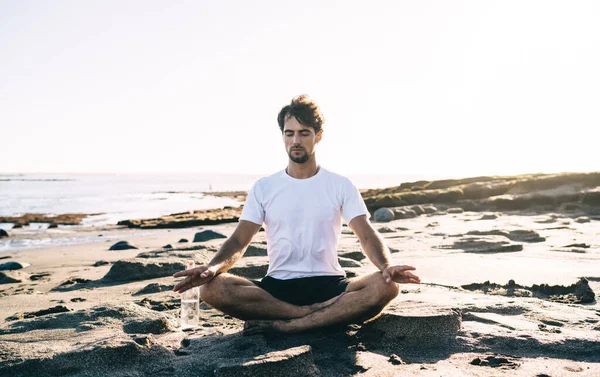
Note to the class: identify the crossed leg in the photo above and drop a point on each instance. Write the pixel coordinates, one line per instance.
(364, 298)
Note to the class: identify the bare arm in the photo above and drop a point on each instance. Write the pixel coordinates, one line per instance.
(233, 249)
(229, 253)
(378, 252)
(371, 242)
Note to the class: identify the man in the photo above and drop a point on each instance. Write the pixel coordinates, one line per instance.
(302, 209)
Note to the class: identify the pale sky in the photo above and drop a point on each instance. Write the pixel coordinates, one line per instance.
(438, 88)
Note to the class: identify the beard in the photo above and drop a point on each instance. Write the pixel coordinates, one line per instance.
(299, 159)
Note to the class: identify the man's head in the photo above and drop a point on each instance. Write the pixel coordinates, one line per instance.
(301, 124)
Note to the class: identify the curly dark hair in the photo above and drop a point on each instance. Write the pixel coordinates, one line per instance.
(305, 110)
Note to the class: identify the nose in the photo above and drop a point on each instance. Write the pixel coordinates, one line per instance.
(296, 139)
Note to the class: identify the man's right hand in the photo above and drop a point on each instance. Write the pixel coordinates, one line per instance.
(195, 277)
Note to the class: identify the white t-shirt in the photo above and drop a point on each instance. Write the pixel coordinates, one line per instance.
(303, 221)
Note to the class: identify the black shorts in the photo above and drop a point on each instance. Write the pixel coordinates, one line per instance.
(304, 291)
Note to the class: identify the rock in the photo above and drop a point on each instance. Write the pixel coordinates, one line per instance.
(35, 277)
(496, 362)
(100, 263)
(396, 360)
(419, 210)
(429, 209)
(10, 266)
(3, 233)
(143, 269)
(292, 362)
(404, 213)
(122, 245)
(169, 246)
(39, 313)
(355, 255)
(183, 240)
(386, 229)
(149, 326)
(455, 210)
(383, 215)
(488, 216)
(154, 288)
(485, 244)
(52, 226)
(207, 235)
(427, 326)
(582, 219)
(255, 251)
(10, 277)
(251, 271)
(187, 219)
(518, 235)
(18, 226)
(346, 262)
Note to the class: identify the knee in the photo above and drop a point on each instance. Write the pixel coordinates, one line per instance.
(210, 291)
(386, 292)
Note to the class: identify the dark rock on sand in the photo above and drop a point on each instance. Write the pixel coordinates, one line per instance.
(582, 220)
(154, 288)
(52, 226)
(386, 229)
(160, 306)
(250, 270)
(187, 219)
(183, 240)
(578, 293)
(39, 276)
(10, 266)
(496, 362)
(519, 235)
(256, 251)
(149, 326)
(9, 277)
(347, 262)
(122, 245)
(404, 213)
(207, 235)
(485, 244)
(143, 269)
(489, 216)
(383, 215)
(169, 246)
(52, 310)
(297, 361)
(100, 263)
(356, 255)
(3, 233)
(455, 210)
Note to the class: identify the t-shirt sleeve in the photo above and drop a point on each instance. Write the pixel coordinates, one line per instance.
(253, 209)
(353, 204)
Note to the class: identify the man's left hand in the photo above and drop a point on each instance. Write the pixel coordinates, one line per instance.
(400, 274)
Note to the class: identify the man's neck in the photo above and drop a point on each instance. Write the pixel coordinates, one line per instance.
(302, 171)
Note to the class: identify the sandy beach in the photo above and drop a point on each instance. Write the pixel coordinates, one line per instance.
(504, 293)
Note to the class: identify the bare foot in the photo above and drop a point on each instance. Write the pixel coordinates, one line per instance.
(254, 327)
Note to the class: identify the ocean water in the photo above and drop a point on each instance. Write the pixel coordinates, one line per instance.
(123, 196)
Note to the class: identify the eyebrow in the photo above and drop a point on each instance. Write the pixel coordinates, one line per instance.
(292, 131)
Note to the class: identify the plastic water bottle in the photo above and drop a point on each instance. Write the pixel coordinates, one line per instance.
(190, 305)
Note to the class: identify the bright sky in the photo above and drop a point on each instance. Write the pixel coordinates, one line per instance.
(439, 88)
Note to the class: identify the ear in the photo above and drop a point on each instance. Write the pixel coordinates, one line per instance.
(319, 135)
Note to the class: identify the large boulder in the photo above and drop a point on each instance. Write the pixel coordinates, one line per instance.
(3, 233)
(10, 266)
(143, 269)
(384, 215)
